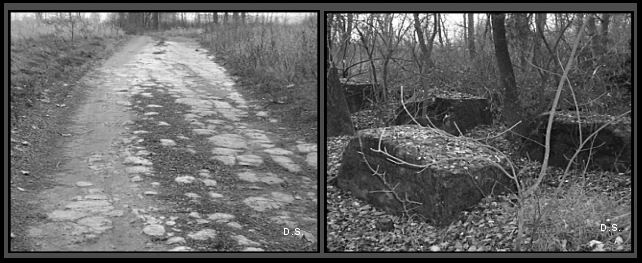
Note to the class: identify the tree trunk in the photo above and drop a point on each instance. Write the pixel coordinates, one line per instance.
(337, 114)
(471, 36)
(427, 62)
(511, 106)
(596, 43)
(538, 59)
(522, 36)
(328, 46)
(604, 32)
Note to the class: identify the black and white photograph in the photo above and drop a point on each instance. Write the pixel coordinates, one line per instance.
(190, 131)
(478, 132)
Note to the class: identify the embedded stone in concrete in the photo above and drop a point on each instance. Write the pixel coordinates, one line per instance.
(244, 241)
(271, 180)
(234, 141)
(203, 234)
(307, 147)
(97, 224)
(225, 151)
(83, 184)
(215, 195)
(154, 230)
(221, 105)
(175, 240)
(90, 206)
(114, 213)
(204, 131)
(204, 173)
(66, 215)
(227, 160)
(249, 160)
(311, 159)
(234, 225)
(282, 197)
(189, 150)
(143, 153)
(209, 182)
(95, 158)
(261, 114)
(261, 204)
(206, 113)
(216, 121)
(192, 195)
(167, 142)
(137, 161)
(221, 217)
(287, 163)
(185, 179)
(248, 176)
(138, 169)
(231, 115)
(95, 191)
(197, 123)
(278, 151)
(257, 136)
(95, 197)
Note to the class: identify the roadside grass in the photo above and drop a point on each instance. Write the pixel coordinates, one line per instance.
(276, 64)
(582, 213)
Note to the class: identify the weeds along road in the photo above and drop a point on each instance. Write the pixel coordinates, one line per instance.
(165, 155)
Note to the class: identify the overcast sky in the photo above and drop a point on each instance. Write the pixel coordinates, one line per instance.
(290, 16)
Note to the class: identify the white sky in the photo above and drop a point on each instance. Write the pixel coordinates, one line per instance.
(453, 23)
(290, 16)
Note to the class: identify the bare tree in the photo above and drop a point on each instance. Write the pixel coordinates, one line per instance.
(471, 36)
(368, 43)
(426, 49)
(338, 116)
(390, 41)
(522, 32)
(512, 108)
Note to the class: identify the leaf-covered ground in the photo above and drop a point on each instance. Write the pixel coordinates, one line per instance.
(586, 202)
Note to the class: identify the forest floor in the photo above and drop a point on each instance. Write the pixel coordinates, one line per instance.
(588, 199)
(153, 146)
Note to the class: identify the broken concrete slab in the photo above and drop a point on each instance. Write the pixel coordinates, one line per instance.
(440, 175)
